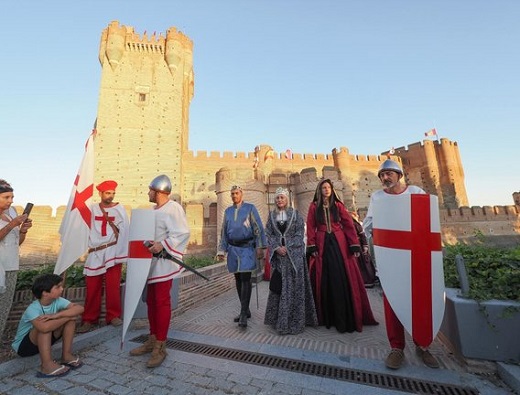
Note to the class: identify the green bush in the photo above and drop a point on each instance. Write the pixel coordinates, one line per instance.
(74, 277)
(198, 262)
(493, 273)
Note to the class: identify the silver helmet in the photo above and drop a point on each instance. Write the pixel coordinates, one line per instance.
(389, 165)
(161, 184)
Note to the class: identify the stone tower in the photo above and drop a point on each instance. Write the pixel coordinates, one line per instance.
(142, 121)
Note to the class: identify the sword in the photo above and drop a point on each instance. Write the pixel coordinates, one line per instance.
(148, 244)
(181, 263)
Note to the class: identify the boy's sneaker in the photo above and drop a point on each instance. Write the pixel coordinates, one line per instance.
(395, 359)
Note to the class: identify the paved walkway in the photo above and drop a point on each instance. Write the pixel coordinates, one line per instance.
(108, 368)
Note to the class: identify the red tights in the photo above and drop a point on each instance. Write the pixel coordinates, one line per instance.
(159, 304)
(94, 285)
(394, 328)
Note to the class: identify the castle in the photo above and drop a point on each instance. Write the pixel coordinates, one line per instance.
(147, 84)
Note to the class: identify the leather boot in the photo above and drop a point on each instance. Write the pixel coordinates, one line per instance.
(238, 285)
(244, 303)
(158, 355)
(237, 318)
(145, 348)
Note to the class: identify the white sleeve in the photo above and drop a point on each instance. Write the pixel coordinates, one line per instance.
(178, 232)
(367, 222)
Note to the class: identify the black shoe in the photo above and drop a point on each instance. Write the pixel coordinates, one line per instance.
(242, 321)
(237, 318)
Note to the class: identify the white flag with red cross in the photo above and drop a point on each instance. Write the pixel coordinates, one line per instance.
(142, 229)
(76, 223)
(408, 251)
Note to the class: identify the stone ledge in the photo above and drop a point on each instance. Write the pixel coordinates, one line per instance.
(193, 291)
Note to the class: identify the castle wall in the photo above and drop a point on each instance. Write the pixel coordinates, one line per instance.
(147, 84)
(42, 243)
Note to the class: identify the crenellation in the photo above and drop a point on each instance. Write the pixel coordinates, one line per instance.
(376, 158)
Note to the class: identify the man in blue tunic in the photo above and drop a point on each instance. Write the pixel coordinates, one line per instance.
(243, 240)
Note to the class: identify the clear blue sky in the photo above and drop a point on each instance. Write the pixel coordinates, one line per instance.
(299, 74)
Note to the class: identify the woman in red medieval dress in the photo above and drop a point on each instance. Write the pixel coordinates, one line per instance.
(332, 243)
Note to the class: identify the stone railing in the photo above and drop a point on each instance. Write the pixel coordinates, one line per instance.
(194, 291)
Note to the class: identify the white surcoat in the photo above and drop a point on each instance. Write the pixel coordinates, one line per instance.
(171, 229)
(380, 195)
(101, 233)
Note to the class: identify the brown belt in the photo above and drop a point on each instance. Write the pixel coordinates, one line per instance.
(102, 247)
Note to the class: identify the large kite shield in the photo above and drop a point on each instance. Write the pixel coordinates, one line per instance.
(142, 228)
(408, 251)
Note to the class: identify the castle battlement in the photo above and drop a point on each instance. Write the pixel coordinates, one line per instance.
(480, 213)
(301, 158)
(420, 145)
(276, 156)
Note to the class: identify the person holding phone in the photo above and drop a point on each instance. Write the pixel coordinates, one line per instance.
(13, 231)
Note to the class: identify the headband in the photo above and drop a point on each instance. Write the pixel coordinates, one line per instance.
(5, 188)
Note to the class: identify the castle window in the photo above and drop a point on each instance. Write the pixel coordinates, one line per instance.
(142, 97)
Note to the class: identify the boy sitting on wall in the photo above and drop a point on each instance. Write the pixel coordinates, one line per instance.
(46, 320)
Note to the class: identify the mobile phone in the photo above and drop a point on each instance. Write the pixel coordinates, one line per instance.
(148, 243)
(27, 209)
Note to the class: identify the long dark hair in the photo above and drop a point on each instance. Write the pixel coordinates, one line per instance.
(318, 199)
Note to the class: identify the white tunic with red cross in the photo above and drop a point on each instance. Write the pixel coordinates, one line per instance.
(101, 233)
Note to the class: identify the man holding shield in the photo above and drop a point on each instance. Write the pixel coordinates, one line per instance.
(169, 244)
(390, 175)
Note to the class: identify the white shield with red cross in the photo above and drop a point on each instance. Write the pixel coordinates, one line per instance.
(407, 245)
(142, 228)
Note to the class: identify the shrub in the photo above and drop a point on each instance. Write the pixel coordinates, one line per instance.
(74, 277)
(493, 273)
(197, 262)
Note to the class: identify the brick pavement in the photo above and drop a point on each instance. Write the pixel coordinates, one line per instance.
(108, 368)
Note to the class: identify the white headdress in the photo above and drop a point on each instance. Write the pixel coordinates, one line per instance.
(281, 191)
